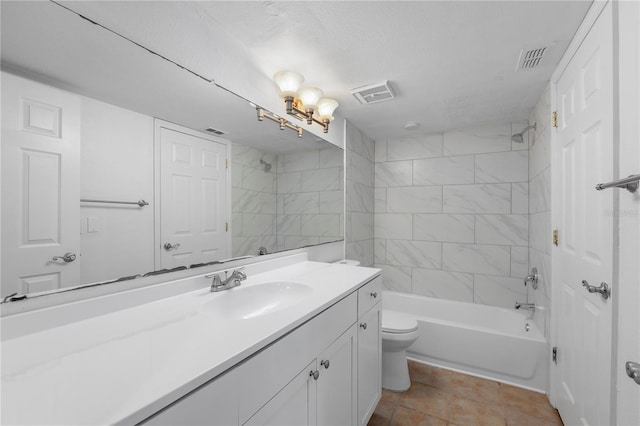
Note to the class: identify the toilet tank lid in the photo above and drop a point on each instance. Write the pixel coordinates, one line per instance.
(397, 322)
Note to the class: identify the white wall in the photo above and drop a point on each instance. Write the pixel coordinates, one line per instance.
(451, 214)
(253, 201)
(540, 208)
(116, 164)
(298, 202)
(359, 196)
(310, 201)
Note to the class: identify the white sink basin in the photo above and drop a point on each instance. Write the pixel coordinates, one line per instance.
(256, 300)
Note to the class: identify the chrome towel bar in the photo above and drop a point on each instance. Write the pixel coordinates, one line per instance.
(140, 203)
(629, 183)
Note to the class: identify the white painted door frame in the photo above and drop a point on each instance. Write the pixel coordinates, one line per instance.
(627, 210)
(158, 125)
(626, 319)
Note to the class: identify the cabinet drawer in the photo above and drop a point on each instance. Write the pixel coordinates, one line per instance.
(369, 294)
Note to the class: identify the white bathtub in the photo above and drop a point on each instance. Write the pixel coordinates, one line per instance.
(476, 339)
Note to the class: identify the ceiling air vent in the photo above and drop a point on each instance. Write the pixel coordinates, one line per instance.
(373, 93)
(530, 58)
(215, 131)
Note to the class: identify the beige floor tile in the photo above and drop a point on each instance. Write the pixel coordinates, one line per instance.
(429, 375)
(427, 400)
(467, 412)
(407, 417)
(378, 420)
(387, 404)
(478, 389)
(515, 418)
(528, 402)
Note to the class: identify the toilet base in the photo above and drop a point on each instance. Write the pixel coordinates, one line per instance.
(395, 371)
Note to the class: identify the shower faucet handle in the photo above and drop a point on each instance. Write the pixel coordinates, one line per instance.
(532, 278)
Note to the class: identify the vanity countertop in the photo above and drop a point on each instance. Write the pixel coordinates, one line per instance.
(123, 366)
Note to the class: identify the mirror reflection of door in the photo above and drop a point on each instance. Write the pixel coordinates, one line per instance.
(193, 197)
(40, 187)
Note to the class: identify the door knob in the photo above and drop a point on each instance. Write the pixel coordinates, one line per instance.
(374, 294)
(314, 374)
(604, 290)
(633, 371)
(68, 257)
(325, 364)
(363, 325)
(169, 246)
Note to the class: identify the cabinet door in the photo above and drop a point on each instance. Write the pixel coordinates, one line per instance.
(337, 382)
(294, 405)
(369, 363)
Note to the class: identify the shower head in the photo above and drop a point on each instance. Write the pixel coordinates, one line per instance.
(519, 137)
(265, 166)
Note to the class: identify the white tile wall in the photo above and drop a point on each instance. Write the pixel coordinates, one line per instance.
(451, 214)
(360, 196)
(540, 209)
(414, 199)
(253, 201)
(298, 202)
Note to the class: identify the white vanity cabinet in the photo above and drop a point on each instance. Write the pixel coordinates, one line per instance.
(369, 349)
(307, 377)
(323, 393)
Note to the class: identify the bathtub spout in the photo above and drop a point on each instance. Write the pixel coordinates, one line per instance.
(526, 306)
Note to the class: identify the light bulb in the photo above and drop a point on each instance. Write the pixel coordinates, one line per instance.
(289, 82)
(326, 107)
(309, 96)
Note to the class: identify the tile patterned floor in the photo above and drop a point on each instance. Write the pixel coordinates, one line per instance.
(440, 397)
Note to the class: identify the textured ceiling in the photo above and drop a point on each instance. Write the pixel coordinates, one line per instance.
(451, 63)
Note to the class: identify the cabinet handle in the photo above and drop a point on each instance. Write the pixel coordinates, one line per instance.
(314, 374)
(325, 364)
(363, 325)
(374, 294)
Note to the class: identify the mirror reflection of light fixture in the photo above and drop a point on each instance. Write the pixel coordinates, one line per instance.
(305, 103)
(284, 124)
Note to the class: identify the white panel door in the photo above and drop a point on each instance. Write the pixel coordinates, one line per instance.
(584, 158)
(40, 186)
(193, 198)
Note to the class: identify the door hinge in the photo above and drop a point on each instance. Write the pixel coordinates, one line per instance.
(226, 163)
(554, 355)
(226, 227)
(554, 119)
(555, 237)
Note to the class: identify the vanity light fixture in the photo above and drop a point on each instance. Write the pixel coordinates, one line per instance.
(284, 124)
(304, 103)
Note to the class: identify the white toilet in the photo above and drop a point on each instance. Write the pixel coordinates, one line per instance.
(399, 331)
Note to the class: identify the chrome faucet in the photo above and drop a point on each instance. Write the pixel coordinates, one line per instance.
(526, 306)
(233, 280)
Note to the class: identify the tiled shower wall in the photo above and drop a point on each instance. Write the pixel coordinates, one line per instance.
(253, 201)
(451, 214)
(540, 208)
(297, 202)
(310, 203)
(359, 196)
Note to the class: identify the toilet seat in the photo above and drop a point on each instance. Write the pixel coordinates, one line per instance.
(397, 323)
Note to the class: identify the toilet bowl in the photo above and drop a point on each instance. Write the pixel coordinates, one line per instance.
(399, 331)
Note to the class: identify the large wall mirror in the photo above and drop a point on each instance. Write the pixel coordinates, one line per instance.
(88, 115)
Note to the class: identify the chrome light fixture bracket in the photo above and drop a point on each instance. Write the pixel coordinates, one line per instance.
(284, 124)
(294, 108)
